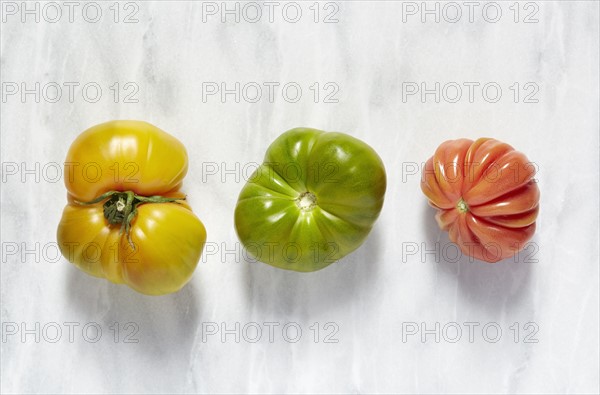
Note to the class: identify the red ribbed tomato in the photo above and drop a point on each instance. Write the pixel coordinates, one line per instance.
(485, 195)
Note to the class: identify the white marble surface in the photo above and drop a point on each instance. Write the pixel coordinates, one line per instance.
(373, 297)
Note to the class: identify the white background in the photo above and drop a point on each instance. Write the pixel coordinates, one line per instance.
(371, 297)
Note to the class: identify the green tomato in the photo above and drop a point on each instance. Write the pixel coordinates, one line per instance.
(313, 200)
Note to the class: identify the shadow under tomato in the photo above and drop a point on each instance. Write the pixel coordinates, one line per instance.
(276, 291)
(495, 285)
(432, 229)
(164, 326)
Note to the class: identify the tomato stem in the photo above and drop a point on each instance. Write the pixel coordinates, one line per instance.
(306, 201)
(121, 208)
(462, 206)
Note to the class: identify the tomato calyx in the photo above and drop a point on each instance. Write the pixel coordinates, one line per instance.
(121, 208)
(306, 201)
(462, 206)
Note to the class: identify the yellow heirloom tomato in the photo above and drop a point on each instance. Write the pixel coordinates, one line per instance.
(126, 219)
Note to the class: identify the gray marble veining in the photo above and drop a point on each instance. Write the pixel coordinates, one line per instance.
(356, 74)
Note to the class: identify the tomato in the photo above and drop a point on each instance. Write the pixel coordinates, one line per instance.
(485, 194)
(126, 219)
(312, 201)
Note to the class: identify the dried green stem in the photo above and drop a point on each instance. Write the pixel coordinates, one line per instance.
(462, 206)
(121, 208)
